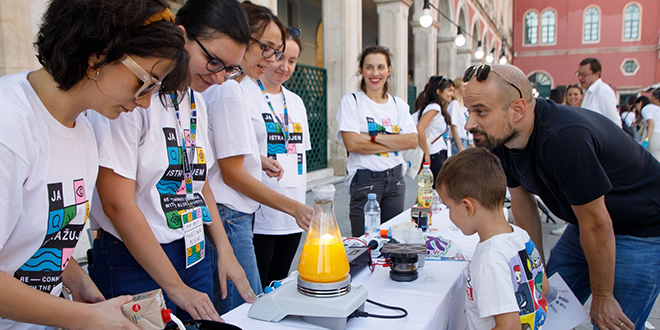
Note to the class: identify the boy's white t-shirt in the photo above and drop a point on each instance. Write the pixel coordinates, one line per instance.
(652, 111)
(437, 129)
(458, 115)
(270, 138)
(48, 173)
(232, 134)
(145, 146)
(505, 275)
(392, 117)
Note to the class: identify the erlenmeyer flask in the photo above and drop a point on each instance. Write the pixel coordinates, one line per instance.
(323, 258)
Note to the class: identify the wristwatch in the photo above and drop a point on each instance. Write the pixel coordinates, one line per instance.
(373, 138)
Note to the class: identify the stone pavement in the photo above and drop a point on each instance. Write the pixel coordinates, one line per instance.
(341, 212)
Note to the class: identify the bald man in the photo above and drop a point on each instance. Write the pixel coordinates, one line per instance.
(589, 173)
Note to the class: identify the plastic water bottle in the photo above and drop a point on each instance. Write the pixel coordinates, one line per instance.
(371, 218)
(425, 186)
(435, 207)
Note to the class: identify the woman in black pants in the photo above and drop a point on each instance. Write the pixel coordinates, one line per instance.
(434, 121)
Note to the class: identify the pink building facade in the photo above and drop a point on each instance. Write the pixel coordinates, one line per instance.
(551, 38)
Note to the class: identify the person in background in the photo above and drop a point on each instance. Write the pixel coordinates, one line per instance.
(598, 96)
(433, 121)
(573, 95)
(374, 127)
(655, 96)
(650, 115)
(473, 186)
(556, 96)
(105, 55)
(627, 116)
(583, 175)
(153, 179)
(236, 176)
(458, 114)
(276, 234)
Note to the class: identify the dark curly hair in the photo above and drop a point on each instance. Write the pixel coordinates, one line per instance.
(429, 95)
(72, 30)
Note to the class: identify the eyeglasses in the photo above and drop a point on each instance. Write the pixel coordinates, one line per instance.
(294, 32)
(583, 75)
(216, 65)
(482, 73)
(149, 83)
(268, 51)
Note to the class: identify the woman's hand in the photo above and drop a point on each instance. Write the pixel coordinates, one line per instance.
(272, 168)
(230, 269)
(108, 315)
(427, 158)
(303, 214)
(196, 303)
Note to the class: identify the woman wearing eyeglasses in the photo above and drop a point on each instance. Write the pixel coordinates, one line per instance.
(434, 121)
(375, 126)
(280, 123)
(157, 215)
(236, 177)
(105, 55)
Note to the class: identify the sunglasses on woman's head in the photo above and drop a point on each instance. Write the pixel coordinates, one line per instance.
(149, 83)
(294, 32)
(482, 74)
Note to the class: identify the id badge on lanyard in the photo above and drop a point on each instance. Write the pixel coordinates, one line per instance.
(191, 219)
(194, 235)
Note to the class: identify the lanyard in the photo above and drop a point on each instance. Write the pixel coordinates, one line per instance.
(284, 128)
(187, 160)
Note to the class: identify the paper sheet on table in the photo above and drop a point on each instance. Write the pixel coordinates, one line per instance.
(564, 309)
(289, 163)
(441, 248)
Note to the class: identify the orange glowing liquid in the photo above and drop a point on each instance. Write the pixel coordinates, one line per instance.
(323, 263)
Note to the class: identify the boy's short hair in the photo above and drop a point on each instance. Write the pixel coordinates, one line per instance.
(475, 173)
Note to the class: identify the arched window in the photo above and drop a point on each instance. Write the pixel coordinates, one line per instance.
(631, 22)
(541, 82)
(531, 28)
(548, 22)
(591, 24)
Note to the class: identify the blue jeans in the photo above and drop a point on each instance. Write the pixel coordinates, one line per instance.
(116, 272)
(238, 226)
(454, 147)
(636, 273)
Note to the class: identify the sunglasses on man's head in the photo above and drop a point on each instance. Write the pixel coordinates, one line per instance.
(482, 74)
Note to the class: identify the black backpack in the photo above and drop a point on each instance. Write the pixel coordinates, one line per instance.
(626, 128)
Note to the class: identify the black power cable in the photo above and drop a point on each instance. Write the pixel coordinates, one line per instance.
(359, 313)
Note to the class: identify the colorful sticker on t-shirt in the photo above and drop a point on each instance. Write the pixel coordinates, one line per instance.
(275, 138)
(527, 277)
(375, 128)
(172, 188)
(43, 271)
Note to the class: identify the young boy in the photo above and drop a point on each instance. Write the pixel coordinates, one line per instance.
(506, 282)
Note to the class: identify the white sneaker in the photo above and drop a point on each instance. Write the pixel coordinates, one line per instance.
(649, 326)
(559, 230)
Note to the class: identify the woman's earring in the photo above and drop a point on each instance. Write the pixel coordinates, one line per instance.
(96, 75)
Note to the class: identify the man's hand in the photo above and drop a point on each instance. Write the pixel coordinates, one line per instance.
(606, 313)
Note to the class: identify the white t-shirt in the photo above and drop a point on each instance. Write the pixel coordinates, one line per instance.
(600, 98)
(48, 172)
(232, 134)
(458, 115)
(145, 146)
(438, 127)
(269, 221)
(392, 117)
(629, 118)
(652, 111)
(505, 276)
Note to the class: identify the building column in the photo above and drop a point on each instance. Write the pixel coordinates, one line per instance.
(19, 24)
(342, 43)
(271, 4)
(446, 57)
(426, 64)
(463, 61)
(393, 33)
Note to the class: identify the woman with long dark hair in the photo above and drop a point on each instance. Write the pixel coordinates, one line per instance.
(157, 215)
(434, 121)
(105, 55)
(375, 126)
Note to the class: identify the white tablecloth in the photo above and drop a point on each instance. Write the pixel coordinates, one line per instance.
(434, 301)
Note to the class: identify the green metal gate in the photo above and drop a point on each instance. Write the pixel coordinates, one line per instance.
(310, 83)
